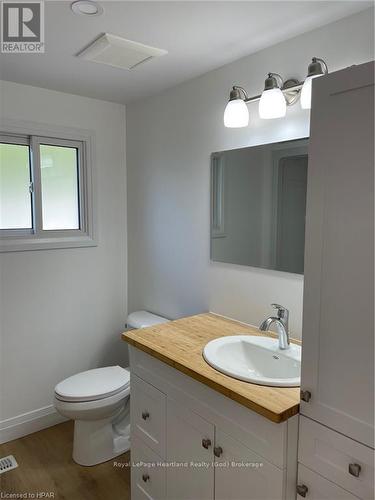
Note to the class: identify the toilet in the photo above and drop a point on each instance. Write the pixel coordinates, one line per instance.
(98, 401)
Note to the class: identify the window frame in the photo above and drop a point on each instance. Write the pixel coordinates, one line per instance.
(37, 238)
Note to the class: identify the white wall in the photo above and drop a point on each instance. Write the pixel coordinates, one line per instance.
(169, 142)
(62, 311)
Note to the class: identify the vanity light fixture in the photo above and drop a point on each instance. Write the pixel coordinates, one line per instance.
(316, 68)
(272, 103)
(236, 114)
(275, 98)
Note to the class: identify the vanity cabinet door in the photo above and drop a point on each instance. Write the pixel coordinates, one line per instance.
(190, 440)
(338, 318)
(241, 474)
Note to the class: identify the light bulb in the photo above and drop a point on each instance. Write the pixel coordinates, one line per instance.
(272, 104)
(236, 114)
(306, 92)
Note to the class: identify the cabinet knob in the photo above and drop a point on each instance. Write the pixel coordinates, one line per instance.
(302, 490)
(145, 415)
(305, 396)
(218, 451)
(206, 443)
(354, 469)
(145, 477)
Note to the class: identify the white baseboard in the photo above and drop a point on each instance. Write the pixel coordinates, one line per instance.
(29, 422)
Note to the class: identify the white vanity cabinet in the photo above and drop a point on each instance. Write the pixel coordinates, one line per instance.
(337, 380)
(202, 445)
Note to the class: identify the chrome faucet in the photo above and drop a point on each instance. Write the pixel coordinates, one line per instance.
(281, 323)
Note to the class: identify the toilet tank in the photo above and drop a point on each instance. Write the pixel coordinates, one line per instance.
(143, 319)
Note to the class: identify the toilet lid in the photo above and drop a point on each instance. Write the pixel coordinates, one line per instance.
(143, 319)
(94, 384)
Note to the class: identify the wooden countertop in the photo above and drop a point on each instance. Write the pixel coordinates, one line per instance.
(180, 344)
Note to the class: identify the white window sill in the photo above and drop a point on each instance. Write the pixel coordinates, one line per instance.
(23, 244)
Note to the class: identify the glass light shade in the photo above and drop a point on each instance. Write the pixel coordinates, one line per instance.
(236, 114)
(272, 104)
(306, 92)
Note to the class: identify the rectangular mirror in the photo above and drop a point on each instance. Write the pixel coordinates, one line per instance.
(258, 206)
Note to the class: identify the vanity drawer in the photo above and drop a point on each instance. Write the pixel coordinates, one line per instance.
(337, 457)
(147, 477)
(148, 414)
(319, 488)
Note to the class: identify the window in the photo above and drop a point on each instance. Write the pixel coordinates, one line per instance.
(45, 192)
(15, 179)
(59, 178)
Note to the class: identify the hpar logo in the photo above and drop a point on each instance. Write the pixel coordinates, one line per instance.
(22, 27)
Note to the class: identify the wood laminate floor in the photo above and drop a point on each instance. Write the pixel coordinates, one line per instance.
(45, 466)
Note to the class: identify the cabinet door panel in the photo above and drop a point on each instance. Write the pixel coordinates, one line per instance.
(319, 488)
(338, 322)
(241, 474)
(192, 477)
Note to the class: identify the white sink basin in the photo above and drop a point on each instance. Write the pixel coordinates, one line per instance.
(255, 359)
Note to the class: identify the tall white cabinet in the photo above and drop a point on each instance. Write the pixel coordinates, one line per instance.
(336, 438)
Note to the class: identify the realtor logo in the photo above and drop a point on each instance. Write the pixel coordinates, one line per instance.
(22, 27)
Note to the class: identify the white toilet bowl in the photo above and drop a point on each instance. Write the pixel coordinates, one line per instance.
(98, 401)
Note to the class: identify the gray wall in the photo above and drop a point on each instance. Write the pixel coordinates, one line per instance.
(169, 142)
(62, 311)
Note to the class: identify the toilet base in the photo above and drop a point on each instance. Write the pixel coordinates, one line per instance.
(97, 441)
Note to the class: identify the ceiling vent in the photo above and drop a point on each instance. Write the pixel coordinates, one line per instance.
(119, 52)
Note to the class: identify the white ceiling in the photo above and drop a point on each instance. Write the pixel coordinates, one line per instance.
(199, 36)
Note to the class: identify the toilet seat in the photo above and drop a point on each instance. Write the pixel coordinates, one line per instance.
(87, 410)
(93, 385)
